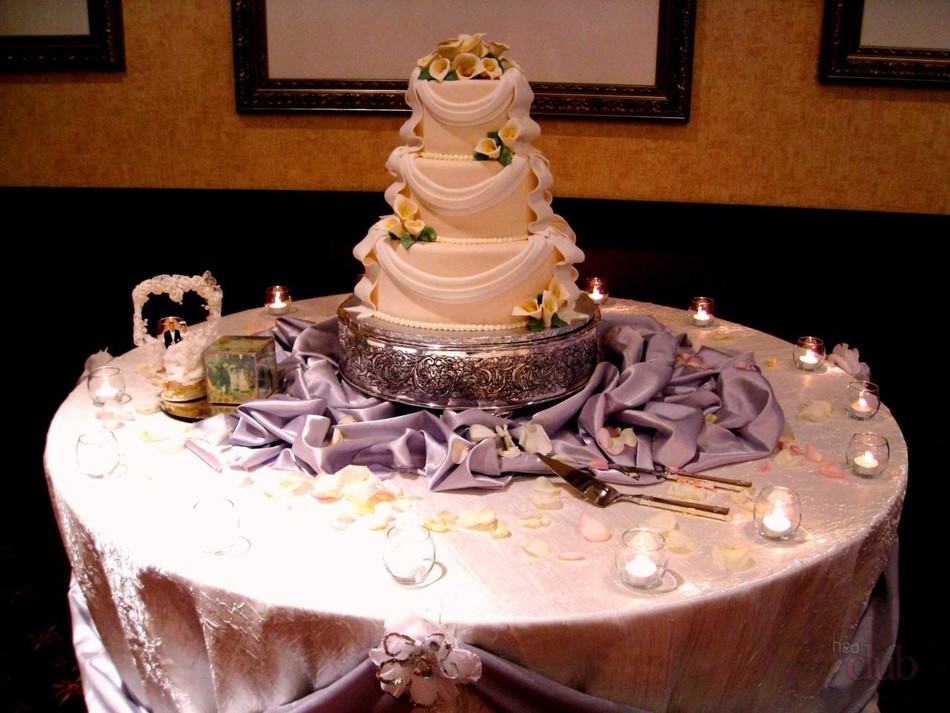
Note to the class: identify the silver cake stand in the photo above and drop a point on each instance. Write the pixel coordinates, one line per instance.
(499, 371)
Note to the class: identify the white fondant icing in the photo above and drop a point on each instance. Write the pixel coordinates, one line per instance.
(499, 242)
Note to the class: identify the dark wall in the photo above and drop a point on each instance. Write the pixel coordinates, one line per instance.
(871, 280)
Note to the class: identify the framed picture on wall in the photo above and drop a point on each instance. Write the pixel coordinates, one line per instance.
(886, 42)
(633, 62)
(60, 35)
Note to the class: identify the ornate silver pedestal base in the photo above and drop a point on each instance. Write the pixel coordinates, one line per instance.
(493, 371)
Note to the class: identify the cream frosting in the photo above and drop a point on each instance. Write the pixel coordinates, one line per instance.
(498, 242)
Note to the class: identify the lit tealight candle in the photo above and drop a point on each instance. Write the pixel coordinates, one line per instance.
(640, 571)
(777, 513)
(809, 353)
(596, 289)
(867, 461)
(702, 311)
(107, 392)
(861, 406)
(776, 524)
(277, 300)
(809, 359)
(866, 400)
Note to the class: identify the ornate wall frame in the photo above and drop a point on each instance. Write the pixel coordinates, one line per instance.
(844, 59)
(667, 98)
(103, 49)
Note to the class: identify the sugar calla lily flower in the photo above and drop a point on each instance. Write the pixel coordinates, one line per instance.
(414, 227)
(467, 65)
(528, 308)
(510, 132)
(488, 147)
(439, 68)
(405, 208)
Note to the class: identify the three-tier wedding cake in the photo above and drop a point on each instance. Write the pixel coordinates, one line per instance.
(472, 265)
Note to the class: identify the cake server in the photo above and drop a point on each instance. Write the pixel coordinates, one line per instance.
(667, 473)
(601, 494)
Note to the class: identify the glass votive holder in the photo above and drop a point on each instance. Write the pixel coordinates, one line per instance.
(596, 289)
(702, 311)
(809, 353)
(277, 300)
(867, 454)
(215, 525)
(777, 512)
(409, 553)
(641, 559)
(864, 399)
(106, 385)
(97, 453)
(171, 330)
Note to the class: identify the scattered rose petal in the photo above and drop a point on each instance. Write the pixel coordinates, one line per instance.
(592, 529)
(680, 544)
(547, 501)
(533, 439)
(832, 470)
(482, 517)
(686, 491)
(570, 556)
(459, 451)
(537, 548)
(477, 432)
(663, 521)
(786, 459)
(813, 454)
(732, 558)
(771, 362)
(534, 521)
(816, 411)
(609, 440)
(599, 464)
(499, 530)
(764, 467)
(721, 335)
(443, 521)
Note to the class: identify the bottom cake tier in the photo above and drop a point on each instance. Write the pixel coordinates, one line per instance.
(494, 371)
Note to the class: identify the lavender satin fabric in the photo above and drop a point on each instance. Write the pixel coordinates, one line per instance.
(691, 409)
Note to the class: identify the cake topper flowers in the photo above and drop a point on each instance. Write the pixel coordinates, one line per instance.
(465, 57)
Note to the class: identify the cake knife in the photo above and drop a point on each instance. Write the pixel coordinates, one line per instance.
(601, 494)
(667, 473)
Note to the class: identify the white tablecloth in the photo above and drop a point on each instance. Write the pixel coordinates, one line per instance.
(303, 603)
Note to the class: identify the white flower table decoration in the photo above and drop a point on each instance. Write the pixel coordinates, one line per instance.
(421, 658)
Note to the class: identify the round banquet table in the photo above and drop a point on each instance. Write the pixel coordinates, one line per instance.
(779, 626)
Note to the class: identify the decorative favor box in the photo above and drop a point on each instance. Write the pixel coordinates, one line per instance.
(239, 369)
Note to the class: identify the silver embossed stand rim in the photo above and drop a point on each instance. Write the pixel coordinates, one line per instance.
(440, 369)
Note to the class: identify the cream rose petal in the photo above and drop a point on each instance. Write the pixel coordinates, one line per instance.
(732, 558)
(533, 439)
(477, 432)
(537, 548)
(679, 544)
(592, 529)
